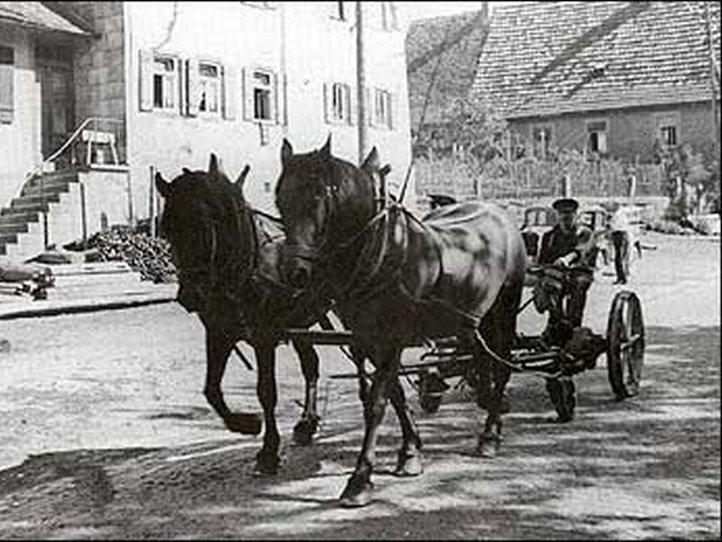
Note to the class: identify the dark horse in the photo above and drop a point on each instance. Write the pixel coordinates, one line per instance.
(459, 271)
(228, 258)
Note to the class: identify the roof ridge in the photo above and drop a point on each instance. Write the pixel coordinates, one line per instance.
(540, 59)
(448, 42)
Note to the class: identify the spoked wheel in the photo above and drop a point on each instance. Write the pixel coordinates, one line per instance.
(625, 345)
(431, 391)
(563, 395)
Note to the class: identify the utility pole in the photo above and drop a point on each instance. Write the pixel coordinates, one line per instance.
(283, 81)
(712, 77)
(361, 85)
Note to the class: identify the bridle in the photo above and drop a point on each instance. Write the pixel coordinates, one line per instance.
(363, 280)
(314, 253)
(236, 270)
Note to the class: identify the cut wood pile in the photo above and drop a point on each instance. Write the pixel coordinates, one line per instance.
(150, 256)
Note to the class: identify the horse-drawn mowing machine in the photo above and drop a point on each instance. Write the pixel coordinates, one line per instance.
(556, 359)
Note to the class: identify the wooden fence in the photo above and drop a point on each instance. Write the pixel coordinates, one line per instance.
(467, 178)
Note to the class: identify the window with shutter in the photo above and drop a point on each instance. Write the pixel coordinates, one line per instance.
(260, 95)
(165, 83)
(7, 84)
(209, 89)
(340, 103)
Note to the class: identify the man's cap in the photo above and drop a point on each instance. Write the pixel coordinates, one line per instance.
(565, 205)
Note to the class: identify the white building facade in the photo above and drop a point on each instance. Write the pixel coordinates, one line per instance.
(235, 78)
(175, 81)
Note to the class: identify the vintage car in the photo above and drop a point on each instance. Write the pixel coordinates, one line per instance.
(537, 220)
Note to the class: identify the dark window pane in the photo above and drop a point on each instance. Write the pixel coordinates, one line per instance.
(7, 55)
(158, 91)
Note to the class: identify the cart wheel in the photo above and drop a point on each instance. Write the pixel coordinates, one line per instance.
(625, 344)
(561, 392)
(431, 391)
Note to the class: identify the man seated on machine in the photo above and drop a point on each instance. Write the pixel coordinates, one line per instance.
(568, 243)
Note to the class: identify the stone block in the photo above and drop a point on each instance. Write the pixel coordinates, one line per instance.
(98, 56)
(115, 39)
(116, 72)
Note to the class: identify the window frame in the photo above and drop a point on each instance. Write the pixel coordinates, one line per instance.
(7, 76)
(669, 119)
(270, 88)
(339, 12)
(541, 126)
(589, 131)
(175, 73)
(389, 16)
(383, 98)
(345, 116)
(218, 113)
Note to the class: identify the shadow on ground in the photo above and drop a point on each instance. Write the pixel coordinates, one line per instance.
(646, 467)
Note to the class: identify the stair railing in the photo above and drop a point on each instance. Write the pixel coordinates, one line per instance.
(79, 133)
(73, 138)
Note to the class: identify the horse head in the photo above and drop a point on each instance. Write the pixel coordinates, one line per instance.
(203, 221)
(323, 200)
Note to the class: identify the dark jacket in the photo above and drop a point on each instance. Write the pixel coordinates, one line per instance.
(556, 244)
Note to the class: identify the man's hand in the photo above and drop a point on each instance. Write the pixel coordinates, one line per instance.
(565, 261)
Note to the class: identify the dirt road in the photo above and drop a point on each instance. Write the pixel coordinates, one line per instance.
(105, 434)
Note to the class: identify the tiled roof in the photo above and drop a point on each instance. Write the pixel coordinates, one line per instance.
(459, 39)
(36, 15)
(547, 58)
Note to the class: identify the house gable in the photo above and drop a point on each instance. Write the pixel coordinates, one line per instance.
(550, 58)
(458, 39)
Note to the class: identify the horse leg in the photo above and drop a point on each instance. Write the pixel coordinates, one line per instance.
(306, 427)
(358, 356)
(268, 459)
(409, 456)
(218, 348)
(500, 326)
(358, 488)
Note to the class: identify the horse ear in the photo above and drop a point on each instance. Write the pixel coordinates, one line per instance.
(242, 177)
(326, 149)
(372, 160)
(286, 151)
(164, 188)
(186, 170)
(213, 164)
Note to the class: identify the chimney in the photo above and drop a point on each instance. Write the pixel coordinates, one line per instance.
(485, 12)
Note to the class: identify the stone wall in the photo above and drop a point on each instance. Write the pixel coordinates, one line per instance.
(100, 67)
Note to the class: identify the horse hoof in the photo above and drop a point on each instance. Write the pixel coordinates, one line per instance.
(409, 466)
(246, 424)
(357, 497)
(304, 430)
(266, 466)
(488, 447)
